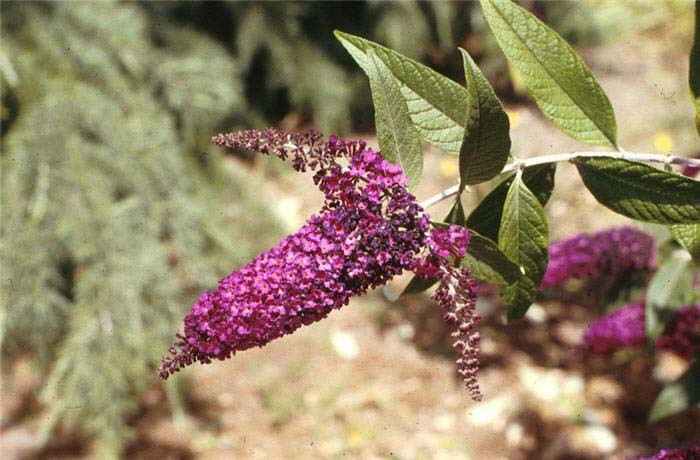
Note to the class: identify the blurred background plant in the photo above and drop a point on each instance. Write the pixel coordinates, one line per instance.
(116, 212)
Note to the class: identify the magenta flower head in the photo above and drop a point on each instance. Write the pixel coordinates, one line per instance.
(624, 328)
(607, 253)
(689, 453)
(369, 229)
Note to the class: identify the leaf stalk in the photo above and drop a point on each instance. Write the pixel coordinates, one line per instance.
(570, 156)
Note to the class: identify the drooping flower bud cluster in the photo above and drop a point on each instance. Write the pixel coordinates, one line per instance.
(456, 295)
(607, 253)
(369, 229)
(624, 328)
(689, 453)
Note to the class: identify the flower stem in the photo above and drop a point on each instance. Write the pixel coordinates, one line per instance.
(558, 157)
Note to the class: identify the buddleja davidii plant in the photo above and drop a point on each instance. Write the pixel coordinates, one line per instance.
(372, 228)
(509, 231)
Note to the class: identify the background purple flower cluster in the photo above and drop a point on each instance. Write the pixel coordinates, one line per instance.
(625, 328)
(689, 453)
(607, 253)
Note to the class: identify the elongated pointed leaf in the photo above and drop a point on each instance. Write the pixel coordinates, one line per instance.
(688, 236)
(486, 217)
(668, 290)
(694, 74)
(486, 142)
(488, 263)
(640, 191)
(679, 395)
(485, 260)
(524, 238)
(436, 104)
(555, 76)
(456, 216)
(398, 139)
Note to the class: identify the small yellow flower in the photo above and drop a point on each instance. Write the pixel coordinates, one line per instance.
(663, 142)
(449, 167)
(354, 438)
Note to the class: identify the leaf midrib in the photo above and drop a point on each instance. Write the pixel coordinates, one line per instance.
(477, 140)
(422, 96)
(390, 113)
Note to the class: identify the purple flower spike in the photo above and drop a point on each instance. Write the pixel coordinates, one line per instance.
(369, 229)
(689, 453)
(607, 253)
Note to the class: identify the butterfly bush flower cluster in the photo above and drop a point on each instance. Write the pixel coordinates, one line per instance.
(607, 253)
(690, 453)
(624, 328)
(369, 229)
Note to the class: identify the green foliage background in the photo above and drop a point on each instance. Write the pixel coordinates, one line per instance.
(114, 215)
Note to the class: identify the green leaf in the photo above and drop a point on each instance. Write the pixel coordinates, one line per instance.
(398, 139)
(436, 104)
(555, 76)
(456, 216)
(667, 292)
(524, 238)
(486, 142)
(486, 217)
(418, 284)
(487, 262)
(679, 395)
(694, 74)
(688, 236)
(640, 191)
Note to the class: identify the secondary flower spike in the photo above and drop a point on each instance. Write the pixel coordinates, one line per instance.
(607, 253)
(369, 229)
